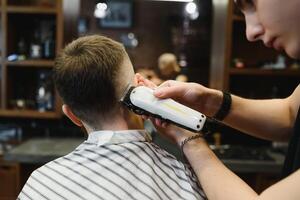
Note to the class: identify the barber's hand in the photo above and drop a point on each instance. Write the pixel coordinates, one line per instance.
(174, 133)
(196, 96)
(170, 131)
(141, 81)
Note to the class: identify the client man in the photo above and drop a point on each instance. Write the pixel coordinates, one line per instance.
(115, 162)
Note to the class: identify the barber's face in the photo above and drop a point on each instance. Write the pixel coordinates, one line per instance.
(275, 22)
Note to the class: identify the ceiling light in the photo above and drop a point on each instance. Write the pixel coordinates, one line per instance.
(100, 10)
(191, 8)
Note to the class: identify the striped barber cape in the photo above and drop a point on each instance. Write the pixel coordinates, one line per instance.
(114, 165)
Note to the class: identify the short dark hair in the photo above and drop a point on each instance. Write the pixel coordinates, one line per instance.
(85, 76)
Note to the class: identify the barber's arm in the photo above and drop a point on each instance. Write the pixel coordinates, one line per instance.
(217, 181)
(269, 119)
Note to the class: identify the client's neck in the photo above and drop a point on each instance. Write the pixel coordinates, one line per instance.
(119, 124)
(114, 124)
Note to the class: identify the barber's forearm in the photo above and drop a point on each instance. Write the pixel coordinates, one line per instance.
(267, 119)
(218, 182)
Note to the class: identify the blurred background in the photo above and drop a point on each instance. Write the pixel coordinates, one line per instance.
(201, 41)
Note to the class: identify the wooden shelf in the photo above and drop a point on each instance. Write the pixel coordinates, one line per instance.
(265, 72)
(31, 10)
(32, 63)
(18, 16)
(29, 114)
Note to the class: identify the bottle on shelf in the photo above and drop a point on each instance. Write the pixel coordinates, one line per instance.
(44, 95)
(49, 46)
(36, 46)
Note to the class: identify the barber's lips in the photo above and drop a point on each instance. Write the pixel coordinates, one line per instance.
(274, 43)
(277, 45)
(269, 43)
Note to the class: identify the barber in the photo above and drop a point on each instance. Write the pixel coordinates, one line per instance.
(276, 23)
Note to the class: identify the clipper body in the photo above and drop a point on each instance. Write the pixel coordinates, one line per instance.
(142, 101)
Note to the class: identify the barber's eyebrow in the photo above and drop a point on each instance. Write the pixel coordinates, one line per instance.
(243, 4)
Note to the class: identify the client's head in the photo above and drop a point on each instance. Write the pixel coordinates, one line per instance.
(168, 66)
(91, 74)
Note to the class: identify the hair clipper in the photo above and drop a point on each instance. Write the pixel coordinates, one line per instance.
(142, 101)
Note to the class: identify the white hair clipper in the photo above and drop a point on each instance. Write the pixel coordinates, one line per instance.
(142, 101)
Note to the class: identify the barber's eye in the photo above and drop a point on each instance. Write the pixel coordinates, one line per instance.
(246, 5)
(250, 2)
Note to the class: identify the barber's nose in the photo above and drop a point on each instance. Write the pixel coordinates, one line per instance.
(254, 29)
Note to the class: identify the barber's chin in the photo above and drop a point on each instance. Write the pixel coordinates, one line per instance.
(293, 52)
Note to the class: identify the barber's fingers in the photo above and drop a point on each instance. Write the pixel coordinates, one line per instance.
(139, 79)
(159, 123)
(144, 82)
(168, 83)
(169, 89)
(150, 84)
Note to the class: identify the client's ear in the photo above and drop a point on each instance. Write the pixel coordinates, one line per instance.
(68, 112)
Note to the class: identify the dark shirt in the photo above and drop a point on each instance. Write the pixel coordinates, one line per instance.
(292, 160)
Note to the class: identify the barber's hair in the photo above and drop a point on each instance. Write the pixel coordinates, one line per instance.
(85, 76)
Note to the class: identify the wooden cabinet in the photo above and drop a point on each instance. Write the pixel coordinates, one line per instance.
(20, 77)
(9, 180)
(253, 80)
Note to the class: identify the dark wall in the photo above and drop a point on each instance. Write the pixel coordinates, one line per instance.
(158, 27)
